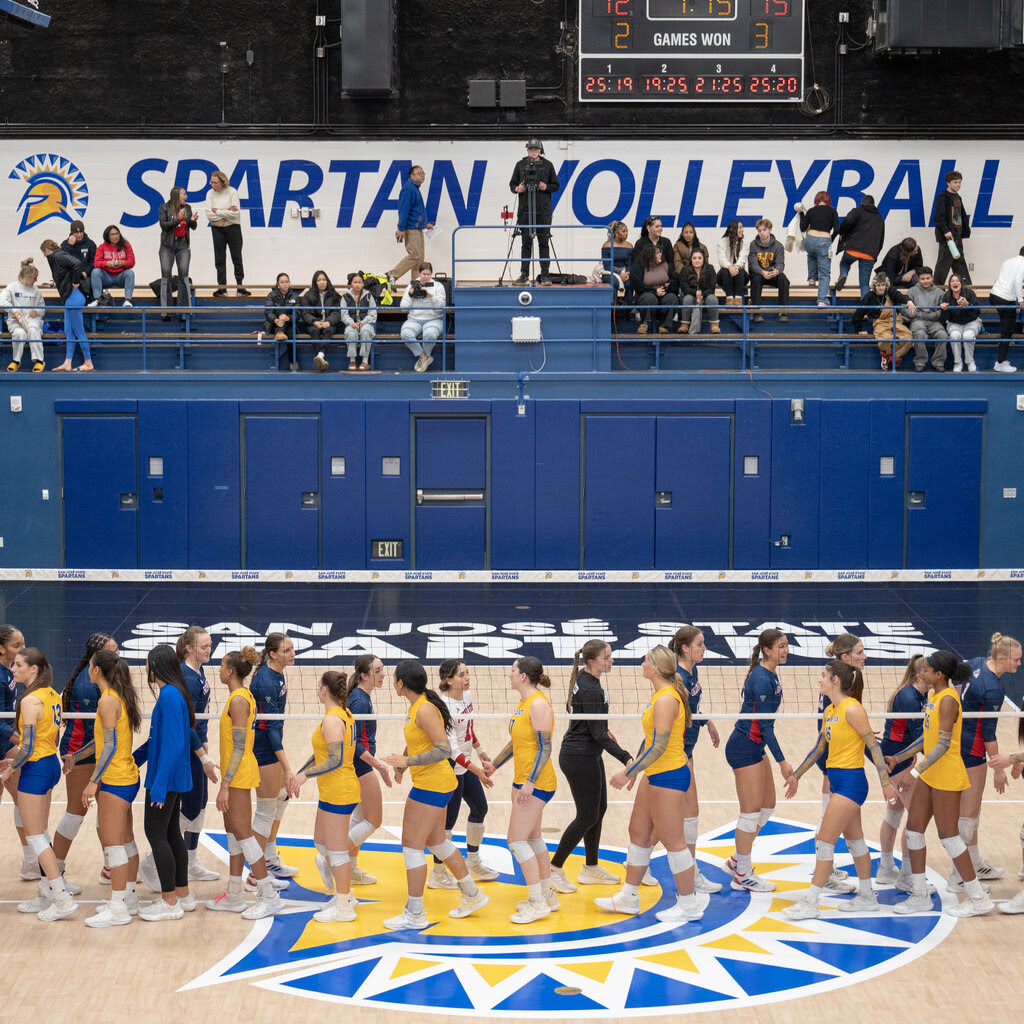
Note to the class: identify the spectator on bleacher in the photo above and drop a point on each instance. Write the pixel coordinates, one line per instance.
(24, 303)
(425, 299)
(902, 263)
(321, 315)
(112, 266)
(279, 320)
(358, 316)
(651, 236)
(412, 220)
(952, 224)
(697, 287)
(685, 244)
(655, 284)
(1005, 295)
(733, 252)
(962, 318)
(83, 248)
(616, 256)
(225, 216)
(767, 264)
(820, 226)
(177, 222)
(65, 269)
(861, 237)
(879, 305)
(926, 321)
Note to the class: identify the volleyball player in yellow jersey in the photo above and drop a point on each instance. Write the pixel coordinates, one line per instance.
(533, 785)
(240, 775)
(659, 806)
(37, 718)
(427, 753)
(845, 734)
(941, 777)
(334, 744)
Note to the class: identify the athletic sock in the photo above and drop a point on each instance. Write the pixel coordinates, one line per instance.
(920, 884)
(630, 890)
(414, 904)
(974, 889)
(887, 861)
(467, 885)
(865, 886)
(534, 893)
(743, 863)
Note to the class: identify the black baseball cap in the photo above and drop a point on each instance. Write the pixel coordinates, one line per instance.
(534, 144)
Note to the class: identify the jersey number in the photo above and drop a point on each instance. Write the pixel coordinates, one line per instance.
(56, 715)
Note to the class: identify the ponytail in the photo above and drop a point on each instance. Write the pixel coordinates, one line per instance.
(272, 646)
(851, 680)
(534, 671)
(588, 652)
(335, 684)
(93, 645)
(241, 662)
(413, 676)
(363, 665)
(909, 675)
(187, 642)
(768, 638)
(842, 645)
(447, 671)
(664, 661)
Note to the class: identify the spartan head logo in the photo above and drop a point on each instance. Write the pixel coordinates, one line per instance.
(54, 187)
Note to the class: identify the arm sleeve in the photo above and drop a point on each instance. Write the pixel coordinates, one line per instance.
(109, 750)
(940, 748)
(439, 752)
(647, 756)
(815, 753)
(83, 752)
(910, 751)
(872, 746)
(237, 750)
(24, 751)
(503, 755)
(543, 754)
(332, 762)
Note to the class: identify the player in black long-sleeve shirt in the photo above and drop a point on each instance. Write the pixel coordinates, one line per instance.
(581, 761)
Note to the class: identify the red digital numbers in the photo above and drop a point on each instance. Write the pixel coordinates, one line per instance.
(776, 8)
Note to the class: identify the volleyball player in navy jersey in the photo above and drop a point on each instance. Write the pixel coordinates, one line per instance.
(746, 754)
(11, 642)
(982, 692)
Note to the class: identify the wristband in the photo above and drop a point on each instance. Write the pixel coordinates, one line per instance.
(206, 759)
(915, 773)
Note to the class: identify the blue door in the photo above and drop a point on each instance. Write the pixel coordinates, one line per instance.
(101, 501)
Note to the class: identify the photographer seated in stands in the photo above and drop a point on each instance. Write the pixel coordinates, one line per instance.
(926, 322)
(358, 317)
(697, 287)
(879, 305)
(766, 263)
(902, 263)
(321, 315)
(279, 322)
(425, 300)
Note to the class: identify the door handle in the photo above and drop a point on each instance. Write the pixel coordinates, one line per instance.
(422, 496)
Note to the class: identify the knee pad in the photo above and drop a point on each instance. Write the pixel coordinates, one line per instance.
(320, 848)
(474, 833)
(762, 818)
(521, 850)
(690, 830)
(117, 856)
(263, 819)
(361, 831)
(443, 850)
(250, 847)
(858, 847)
(679, 860)
(69, 825)
(356, 816)
(131, 849)
(539, 847)
(337, 857)
(37, 844)
(893, 816)
(747, 822)
(234, 847)
(639, 856)
(282, 801)
(915, 840)
(413, 858)
(194, 824)
(953, 845)
(18, 823)
(966, 827)
(823, 850)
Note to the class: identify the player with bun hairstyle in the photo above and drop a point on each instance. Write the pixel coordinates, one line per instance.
(533, 785)
(941, 777)
(581, 759)
(982, 692)
(746, 754)
(427, 756)
(470, 779)
(909, 698)
(332, 766)
(240, 774)
(664, 775)
(11, 642)
(844, 736)
(367, 676)
(37, 723)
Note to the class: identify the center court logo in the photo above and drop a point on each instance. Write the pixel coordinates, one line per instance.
(579, 961)
(55, 187)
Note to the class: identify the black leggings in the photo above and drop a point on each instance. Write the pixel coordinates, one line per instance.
(585, 774)
(1008, 311)
(164, 834)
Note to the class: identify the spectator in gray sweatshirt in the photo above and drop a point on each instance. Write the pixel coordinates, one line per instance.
(926, 322)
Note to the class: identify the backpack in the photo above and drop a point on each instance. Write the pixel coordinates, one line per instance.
(377, 286)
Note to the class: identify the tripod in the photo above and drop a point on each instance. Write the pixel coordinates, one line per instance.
(529, 228)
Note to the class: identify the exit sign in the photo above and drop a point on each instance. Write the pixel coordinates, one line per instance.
(387, 548)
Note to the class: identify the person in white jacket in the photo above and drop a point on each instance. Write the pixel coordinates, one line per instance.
(731, 259)
(25, 304)
(425, 300)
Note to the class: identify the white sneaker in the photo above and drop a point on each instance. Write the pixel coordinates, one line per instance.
(955, 884)
(969, 908)
(972, 368)
(126, 304)
(468, 904)
(862, 903)
(551, 899)
(987, 871)
(281, 870)
(188, 903)
(265, 906)
(104, 875)
(406, 922)
(337, 912)
(887, 876)
(37, 903)
(686, 908)
(958, 367)
(326, 875)
(198, 873)
(72, 887)
(842, 885)
(702, 884)
(30, 871)
(840, 874)
(251, 884)
(106, 918)
(1005, 367)
(803, 910)
(360, 877)
(905, 883)
(560, 882)
(479, 871)
(752, 883)
(594, 874)
(1014, 906)
(61, 907)
(528, 912)
(161, 910)
(619, 904)
(650, 880)
(439, 878)
(232, 902)
(914, 905)
(148, 872)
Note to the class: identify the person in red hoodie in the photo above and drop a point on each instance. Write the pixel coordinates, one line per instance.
(113, 265)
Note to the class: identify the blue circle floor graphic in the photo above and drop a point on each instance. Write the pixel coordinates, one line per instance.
(579, 962)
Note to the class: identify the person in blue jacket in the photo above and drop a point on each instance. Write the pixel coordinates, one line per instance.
(412, 219)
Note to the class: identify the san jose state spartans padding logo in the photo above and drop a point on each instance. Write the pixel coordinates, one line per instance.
(580, 962)
(54, 187)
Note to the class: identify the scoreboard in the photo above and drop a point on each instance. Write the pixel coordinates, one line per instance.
(636, 51)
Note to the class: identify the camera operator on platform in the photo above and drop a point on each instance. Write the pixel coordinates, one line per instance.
(533, 180)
